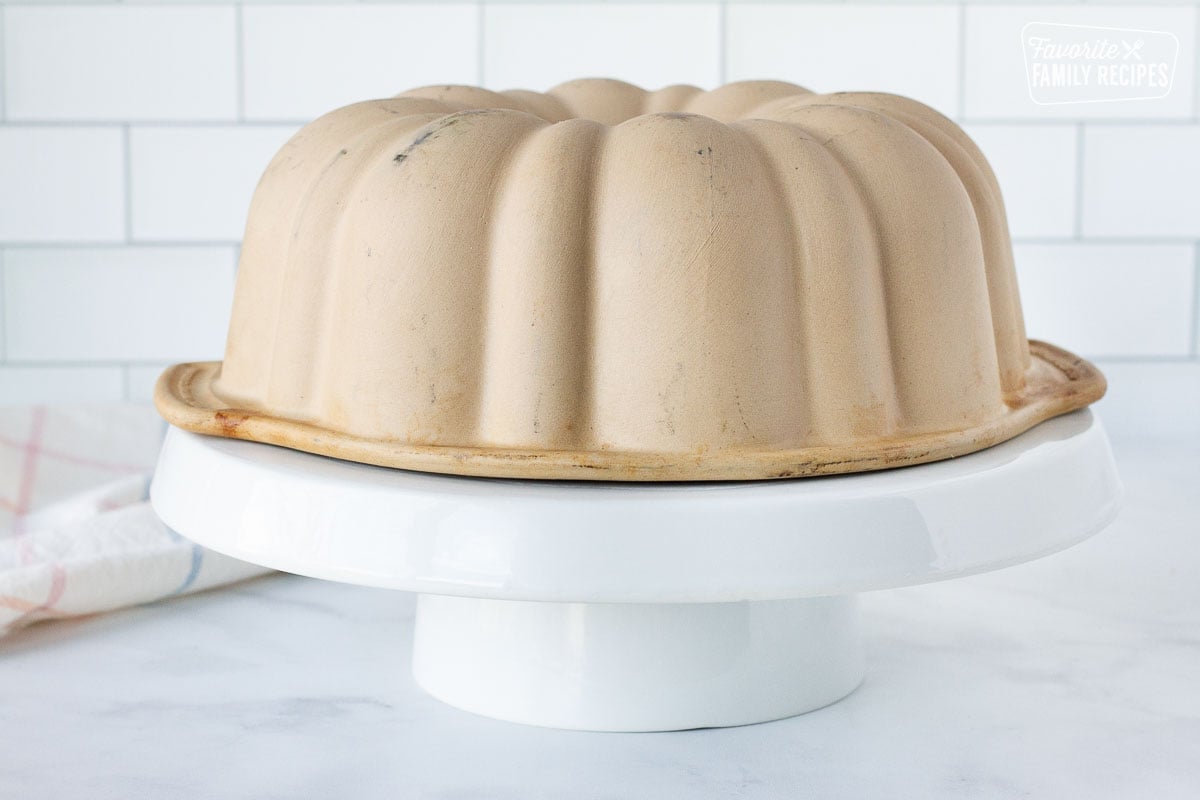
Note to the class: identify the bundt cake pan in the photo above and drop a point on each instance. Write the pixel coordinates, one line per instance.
(606, 283)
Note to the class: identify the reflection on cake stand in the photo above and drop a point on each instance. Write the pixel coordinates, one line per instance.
(639, 607)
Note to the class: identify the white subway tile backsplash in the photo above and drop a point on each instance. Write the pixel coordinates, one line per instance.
(302, 61)
(26, 385)
(1037, 172)
(2, 70)
(1109, 300)
(911, 50)
(116, 303)
(61, 184)
(1151, 399)
(195, 183)
(535, 46)
(133, 133)
(140, 380)
(120, 63)
(996, 82)
(1141, 181)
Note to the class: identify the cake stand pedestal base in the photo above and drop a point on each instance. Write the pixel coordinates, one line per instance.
(637, 666)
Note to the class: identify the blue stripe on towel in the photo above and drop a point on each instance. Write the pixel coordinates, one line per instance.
(193, 568)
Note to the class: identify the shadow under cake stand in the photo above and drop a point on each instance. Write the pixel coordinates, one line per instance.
(634, 606)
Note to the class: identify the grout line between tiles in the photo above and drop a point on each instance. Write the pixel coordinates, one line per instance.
(1132, 122)
(3, 69)
(1079, 138)
(1147, 358)
(157, 123)
(76, 363)
(962, 61)
(1195, 67)
(1143, 241)
(722, 43)
(480, 42)
(239, 50)
(1196, 304)
(3, 313)
(127, 154)
(141, 243)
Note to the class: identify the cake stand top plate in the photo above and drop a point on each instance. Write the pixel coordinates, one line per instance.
(624, 542)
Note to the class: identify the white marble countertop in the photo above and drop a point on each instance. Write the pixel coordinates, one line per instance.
(1074, 676)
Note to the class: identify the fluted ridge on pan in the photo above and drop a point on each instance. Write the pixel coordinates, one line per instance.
(448, 333)
(427, 322)
(541, 315)
(694, 276)
(844, 344)
(255, 358)
(931, 263)
(977, 178)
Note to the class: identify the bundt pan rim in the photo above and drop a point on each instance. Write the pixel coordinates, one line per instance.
(184, 397)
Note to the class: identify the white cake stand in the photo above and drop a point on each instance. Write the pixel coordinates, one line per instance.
(639, 607)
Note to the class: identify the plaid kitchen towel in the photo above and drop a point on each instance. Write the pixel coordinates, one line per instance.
(77, 534)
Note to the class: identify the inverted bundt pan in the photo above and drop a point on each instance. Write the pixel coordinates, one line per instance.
(610, 284)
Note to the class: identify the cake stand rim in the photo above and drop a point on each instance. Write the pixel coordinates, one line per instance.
(693, 542)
